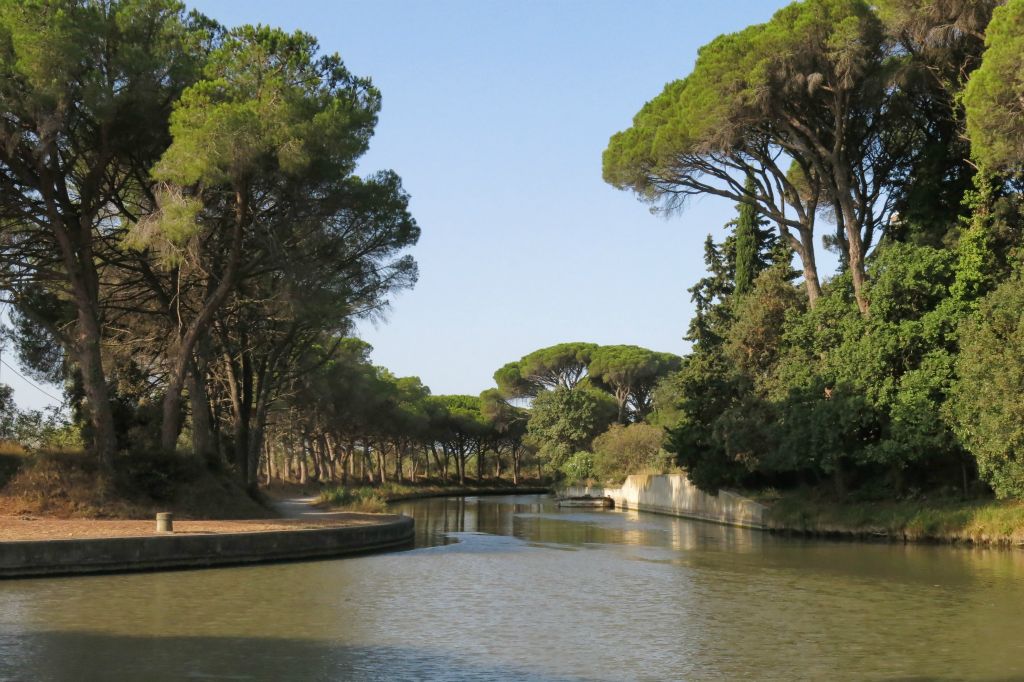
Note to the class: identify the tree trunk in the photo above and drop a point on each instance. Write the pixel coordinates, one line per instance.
(272, 473)
(855, 247)
(810, 266)
(80, 266)
(399, 456)
(202, 424)
(367, 462)
(94, 383)
(189, 337)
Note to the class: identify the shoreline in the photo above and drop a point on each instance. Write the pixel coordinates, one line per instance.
(940, 520)
(376, 498)
(878, 536)
(981, 524)
(462, 491)
(178, 551)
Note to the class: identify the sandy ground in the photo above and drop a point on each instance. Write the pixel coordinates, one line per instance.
(17, 528)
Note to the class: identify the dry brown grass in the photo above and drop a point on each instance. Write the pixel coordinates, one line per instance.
(69, 485)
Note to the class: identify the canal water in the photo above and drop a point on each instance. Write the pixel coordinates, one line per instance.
(511, 588)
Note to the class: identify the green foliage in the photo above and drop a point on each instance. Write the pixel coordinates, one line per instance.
(563, 365)
(630, 373)
(578, 467)
(268, 103)
(633, 449)
(942, 517)
(360, 499)
(565, 421)
(994, 97)
(511, 383)
(986, 407)
(747, 246)
(754, 339)
(801, 395)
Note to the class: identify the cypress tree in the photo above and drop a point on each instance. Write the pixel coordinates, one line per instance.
(747, 244)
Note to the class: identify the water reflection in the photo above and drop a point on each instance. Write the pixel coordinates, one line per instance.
(539, 520)
(513, 588)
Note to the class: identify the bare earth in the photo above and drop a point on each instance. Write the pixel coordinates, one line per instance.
(19, 528)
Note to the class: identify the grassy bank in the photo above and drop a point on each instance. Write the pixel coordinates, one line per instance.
(375, 498)
(68, 484)
(982, 522)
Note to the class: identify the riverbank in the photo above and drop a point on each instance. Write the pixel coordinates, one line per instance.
(948, 521)
(30, 548)
(376, 498)
(674, 495)
(68, 484)
(812, 513)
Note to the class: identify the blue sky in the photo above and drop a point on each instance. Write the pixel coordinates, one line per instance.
(495, 115)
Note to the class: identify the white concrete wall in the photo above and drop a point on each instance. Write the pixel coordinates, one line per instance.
(673, 494)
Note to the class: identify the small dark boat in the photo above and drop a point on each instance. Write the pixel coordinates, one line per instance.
(586, 501)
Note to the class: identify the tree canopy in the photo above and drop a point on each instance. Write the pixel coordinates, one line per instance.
(994, 97)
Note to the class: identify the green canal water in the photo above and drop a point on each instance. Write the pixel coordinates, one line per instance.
(511, 588)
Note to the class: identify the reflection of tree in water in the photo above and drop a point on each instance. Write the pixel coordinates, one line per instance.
(437, 517)
(537, 519)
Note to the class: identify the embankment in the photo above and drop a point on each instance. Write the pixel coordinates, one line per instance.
(979, 522)
(673, 494)
(178, 551)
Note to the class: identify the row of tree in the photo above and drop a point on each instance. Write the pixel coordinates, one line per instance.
(351, 421)
(184, 246)
(183, 237)
(898, 125)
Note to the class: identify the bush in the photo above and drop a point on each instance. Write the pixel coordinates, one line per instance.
(364, 498)
(986, 407)
(624, 450)
(579, 467)
(155, 475)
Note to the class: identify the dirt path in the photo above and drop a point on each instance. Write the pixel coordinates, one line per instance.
(298, 512)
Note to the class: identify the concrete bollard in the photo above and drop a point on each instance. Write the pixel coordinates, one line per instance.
(165, 522)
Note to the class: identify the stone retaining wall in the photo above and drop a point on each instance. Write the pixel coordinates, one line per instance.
(674, 494)
(63, 557)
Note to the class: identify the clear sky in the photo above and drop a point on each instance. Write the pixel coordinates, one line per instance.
(495, 115)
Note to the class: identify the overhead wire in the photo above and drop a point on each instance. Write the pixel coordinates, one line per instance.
(3, 312)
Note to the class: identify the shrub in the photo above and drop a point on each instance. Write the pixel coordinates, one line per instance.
(579, 467)
(986, 407)
(155, 475)
(624, 450)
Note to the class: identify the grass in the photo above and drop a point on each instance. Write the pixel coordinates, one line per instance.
(68, 484)
(375, 498)
(361, 499)
(12, 457)
(983, 522)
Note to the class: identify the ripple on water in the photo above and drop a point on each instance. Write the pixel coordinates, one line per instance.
(635, 597)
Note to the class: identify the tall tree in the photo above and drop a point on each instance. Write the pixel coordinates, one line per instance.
(509, 425)
(994, 96)
(86, 89)
(937, 45)
(630, 374)
(563, 421)
(270, 121)
(747, 244)
(560, 366)
(811, 86)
